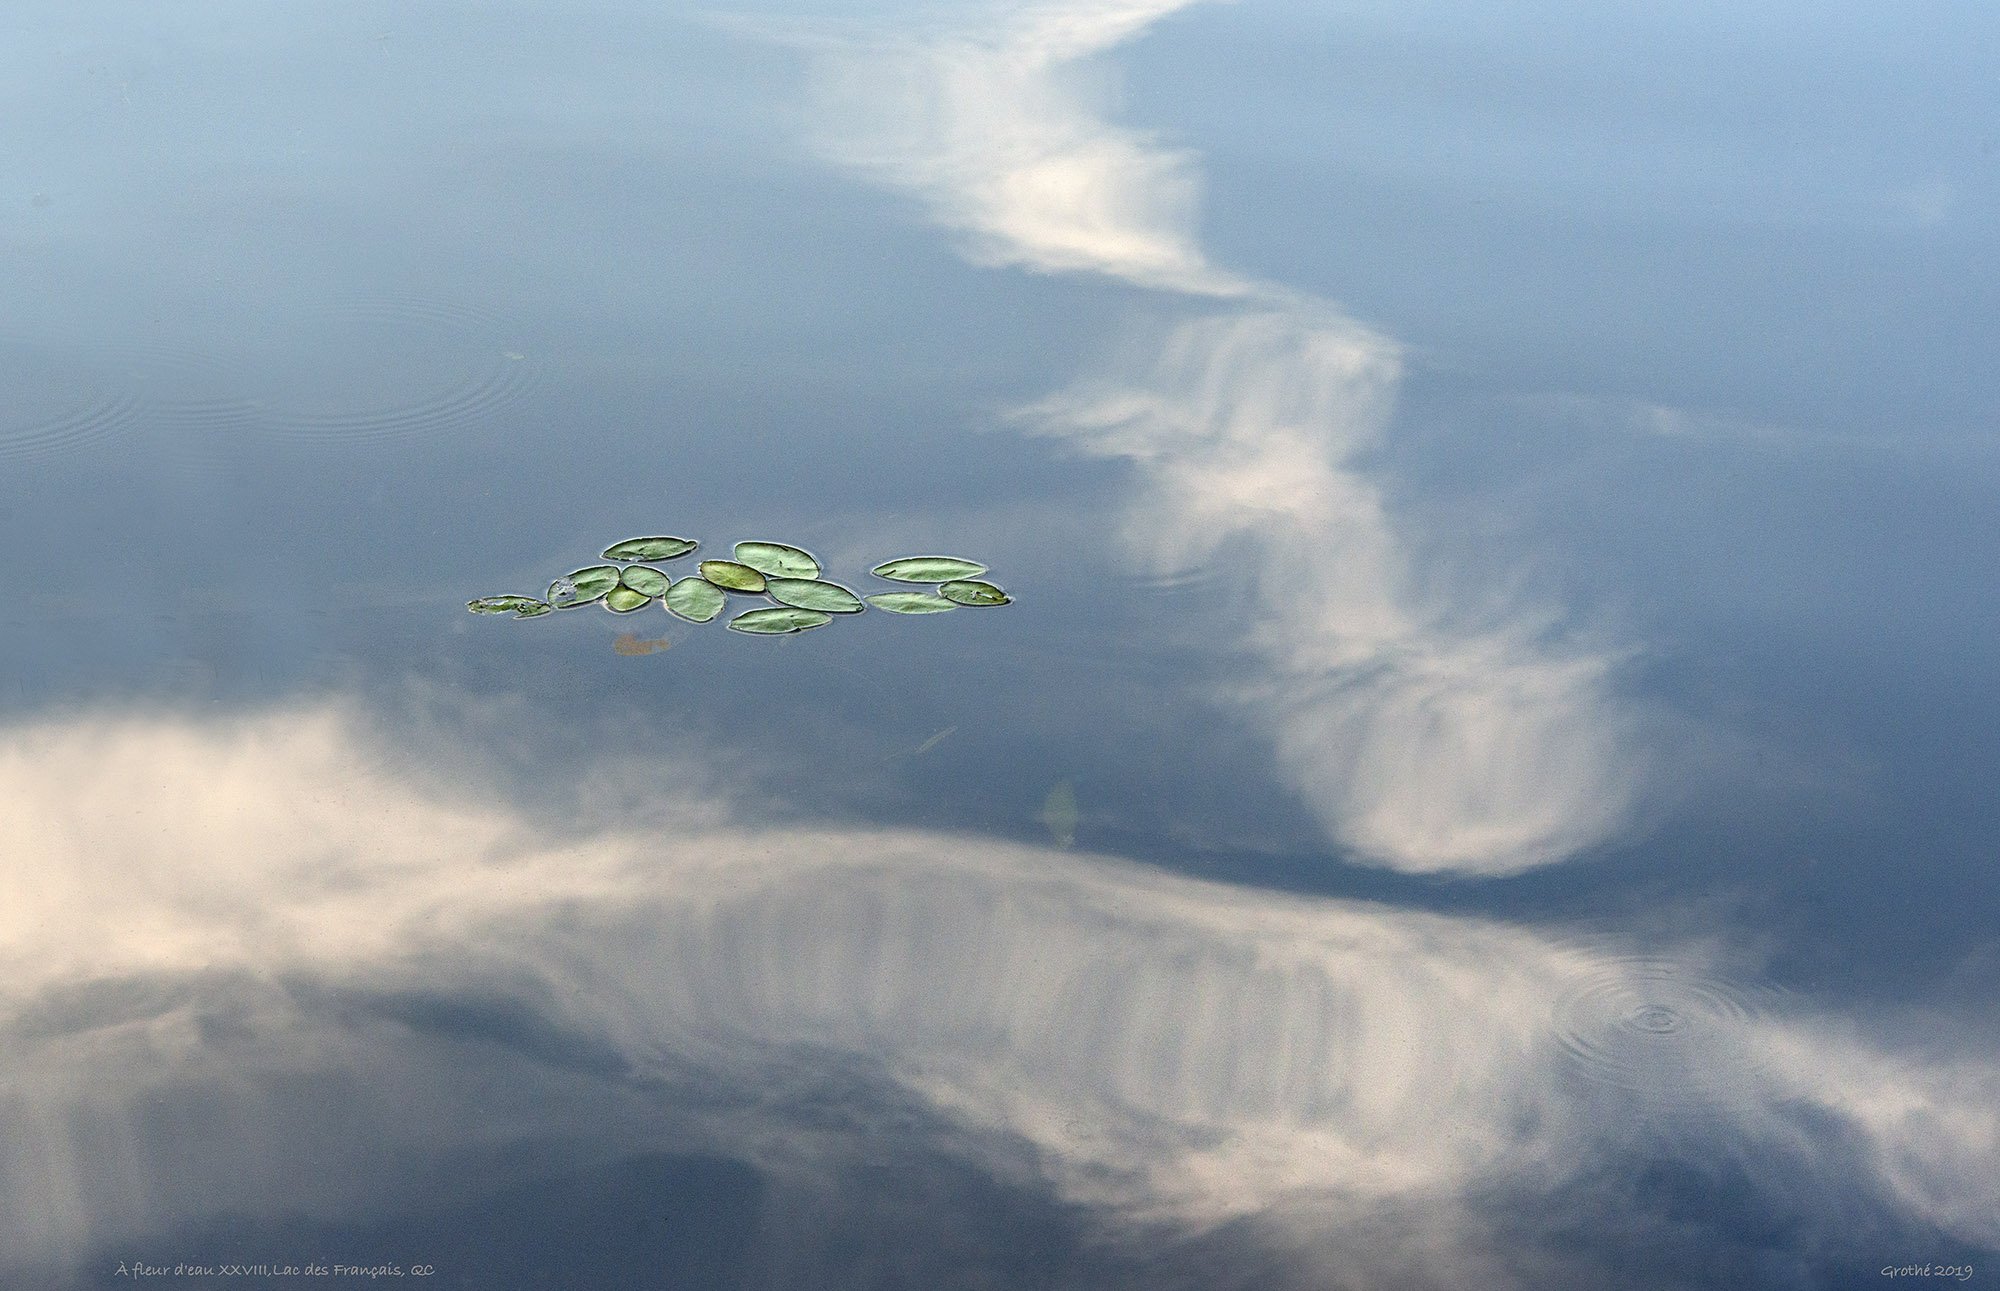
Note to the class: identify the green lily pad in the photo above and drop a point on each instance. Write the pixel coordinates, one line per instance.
(730, 576)
(696, 599)
(776, 560)
(504, 604)
(623, 600)
(534, 610)
(650, 548)
(777, 622)
(812, 594)
(648, 582)
(928, 569)
(970, 591)
(911, 602)
(582, 586)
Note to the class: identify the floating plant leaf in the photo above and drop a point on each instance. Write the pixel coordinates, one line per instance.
(777, 622)
(696, 599)
(649, 548)
(812, 594)
(1059, 813)
(623, 600)
(911, 602)
(504, 604)
(729, 575)
(649, 582)
(534, 610)
(928, 569)
(583, 586)
(970, 591)
(777, 560)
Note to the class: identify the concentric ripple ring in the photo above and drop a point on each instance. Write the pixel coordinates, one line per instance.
(1654, 1025)
(455, 364)
(52, 410)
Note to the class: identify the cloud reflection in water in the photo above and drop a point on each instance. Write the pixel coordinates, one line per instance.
(1429, 735)
(259, 964)
(994, 130)
(216, 980)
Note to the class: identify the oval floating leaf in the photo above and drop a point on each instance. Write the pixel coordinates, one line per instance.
(696, 599)
(777, 622)
(534, 610)
(503, 604)
(648, 582)
(650, 548)
(582, 586)
(928, 569)
(776, 560)
(911, 602)
(970, 591)
(623, 600)
(729, 575)
(812, 594)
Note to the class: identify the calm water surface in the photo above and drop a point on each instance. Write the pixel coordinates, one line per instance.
(1487, 780)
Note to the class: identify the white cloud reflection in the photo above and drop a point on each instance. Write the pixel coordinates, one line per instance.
(195, 914)
(1430, 736)
(993, 129)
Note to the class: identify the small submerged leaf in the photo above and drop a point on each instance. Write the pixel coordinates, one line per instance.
(696, 599)
(777, 622)
(911, 602)
(649, 582)
(812, 594)
(928, 569)
(732, 576)
(504, 604)
(629, 644)
(650, 548)
(582, 586)
(777, 560)
(1059, 814)
(623, 600)
(970, 591)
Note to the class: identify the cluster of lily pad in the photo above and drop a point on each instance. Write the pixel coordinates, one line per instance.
(788, 576)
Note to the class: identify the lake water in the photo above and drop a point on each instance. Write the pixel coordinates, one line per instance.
(1486, 778)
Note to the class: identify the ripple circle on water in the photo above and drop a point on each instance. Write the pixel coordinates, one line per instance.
(56, 407)
(392, 369)
(1657, 1025)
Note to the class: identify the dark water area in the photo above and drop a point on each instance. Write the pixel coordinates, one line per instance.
(1485, 777)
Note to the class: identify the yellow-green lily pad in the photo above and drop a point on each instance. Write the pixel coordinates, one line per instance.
(731, 576)
(812, 594)
(623, 600)
(649, 582)
(696, 599)
(650, 548)
(970, 591)
(928, 569)
(911, 602)
(581, 587)
(777, 560)
(778, 621)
